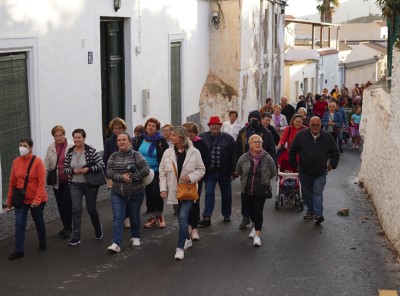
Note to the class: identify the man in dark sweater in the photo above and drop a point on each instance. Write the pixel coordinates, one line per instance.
(315, 147)
(287, 109)
(242, 146)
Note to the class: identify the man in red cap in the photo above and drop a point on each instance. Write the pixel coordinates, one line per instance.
(221, 147)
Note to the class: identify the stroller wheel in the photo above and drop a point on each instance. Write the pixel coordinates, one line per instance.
(276, 205)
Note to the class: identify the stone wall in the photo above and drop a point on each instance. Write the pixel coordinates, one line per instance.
(380, 167)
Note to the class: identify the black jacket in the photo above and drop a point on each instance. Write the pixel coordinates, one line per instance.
(242, 145)
(288, 111)
(314, 153)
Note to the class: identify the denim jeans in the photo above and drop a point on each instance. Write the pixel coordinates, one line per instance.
(21, 216)
(340, 139)
(78, 190)
(119, 205)
(224, 182)
(64, 204)
(183, 217)
(312, 189)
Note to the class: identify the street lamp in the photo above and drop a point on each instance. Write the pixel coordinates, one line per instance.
(117, 5)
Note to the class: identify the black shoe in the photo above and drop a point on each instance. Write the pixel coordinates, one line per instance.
(16, 255)
(244, 223)
(227, 219)
(319, 219)
(308, 215)
(74, 242)
(61, 232)
(99, 233)
(204, 222)
(42, 246)
(67, 234)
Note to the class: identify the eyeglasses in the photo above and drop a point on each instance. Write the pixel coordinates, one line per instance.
(315, 124)
(256, 142)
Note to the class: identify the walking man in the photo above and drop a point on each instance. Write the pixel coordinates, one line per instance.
(221, 147)
(315, 147)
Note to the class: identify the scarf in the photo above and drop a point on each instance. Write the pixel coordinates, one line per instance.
(153, 139)
(196, 139)
(256, 159)
(277, 120)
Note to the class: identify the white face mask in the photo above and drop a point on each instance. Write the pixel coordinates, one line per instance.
(23, 151)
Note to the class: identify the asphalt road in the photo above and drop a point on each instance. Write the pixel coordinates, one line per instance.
(343, 256)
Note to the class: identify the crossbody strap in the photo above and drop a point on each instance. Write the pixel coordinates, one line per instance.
(27, 172)
(58, 157)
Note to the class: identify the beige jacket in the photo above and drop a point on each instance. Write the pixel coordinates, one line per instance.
(192, 166)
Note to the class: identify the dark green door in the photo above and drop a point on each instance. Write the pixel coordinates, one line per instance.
(176, 83)
(112, 71)
(14, 111)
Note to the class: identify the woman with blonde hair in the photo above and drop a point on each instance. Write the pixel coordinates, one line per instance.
(278, 121)
(180, 163)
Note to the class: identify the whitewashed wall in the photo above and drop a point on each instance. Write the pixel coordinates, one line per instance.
(297, 73)
(380, 157)
(65, 89)
(362, 74)
(329, 67)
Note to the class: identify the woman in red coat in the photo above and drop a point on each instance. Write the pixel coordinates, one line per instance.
(287, 138)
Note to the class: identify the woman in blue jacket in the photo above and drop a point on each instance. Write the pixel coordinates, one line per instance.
(332, 121)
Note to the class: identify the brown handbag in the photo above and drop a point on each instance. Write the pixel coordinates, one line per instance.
(185, 191)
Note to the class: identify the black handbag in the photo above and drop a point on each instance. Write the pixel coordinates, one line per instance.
(264, 191)
(17, 199)
(52, 174)
(96, 178)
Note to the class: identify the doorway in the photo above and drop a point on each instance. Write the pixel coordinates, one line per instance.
(112, 71)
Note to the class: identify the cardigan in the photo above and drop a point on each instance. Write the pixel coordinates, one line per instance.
(36, 187)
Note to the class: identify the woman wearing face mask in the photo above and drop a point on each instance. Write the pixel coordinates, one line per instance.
(35, 196)
(55, 157)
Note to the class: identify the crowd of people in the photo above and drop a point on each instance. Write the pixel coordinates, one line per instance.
(172, 163)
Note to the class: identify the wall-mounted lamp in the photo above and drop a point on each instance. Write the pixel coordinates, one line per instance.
(215, 18)
(117, 4)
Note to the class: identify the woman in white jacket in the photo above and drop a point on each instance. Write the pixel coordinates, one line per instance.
(186, 160)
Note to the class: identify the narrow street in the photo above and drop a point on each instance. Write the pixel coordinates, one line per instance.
(343, 256)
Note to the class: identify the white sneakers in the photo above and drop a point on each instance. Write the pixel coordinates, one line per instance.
(195, 235)
(135, 241)
(252, 233)
(180, 254)
(257, 241)
(114, 248)
(188, 244)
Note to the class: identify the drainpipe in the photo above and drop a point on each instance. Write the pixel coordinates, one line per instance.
(260, 54)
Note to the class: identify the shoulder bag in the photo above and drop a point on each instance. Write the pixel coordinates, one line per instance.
(95, 178)
(17, 199)
(52, 174)
(185, 191)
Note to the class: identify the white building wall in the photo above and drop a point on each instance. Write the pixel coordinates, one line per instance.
(380, 165)
(361, 74)
(294, 79)
(329, 69)
(65, 89)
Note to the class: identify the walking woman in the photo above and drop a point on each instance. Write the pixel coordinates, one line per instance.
(80, 160)
(256, 168)
(35, 197)
(152, 146)
(332, 121)
(181, 163)
(126, 168)
(54, 160)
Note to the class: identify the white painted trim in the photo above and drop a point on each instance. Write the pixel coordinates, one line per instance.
(178, 37)
(30, 46)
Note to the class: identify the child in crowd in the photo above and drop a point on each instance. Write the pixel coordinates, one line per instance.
(355, 127)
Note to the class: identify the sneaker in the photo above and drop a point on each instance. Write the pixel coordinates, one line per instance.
(257, 241)
(252, 233)
(188, 244)
(357, 146)
(180, 254)
(341, 150)
(114, 248)
(74, 242)
(195, 235)
(127, 223)
(244, 223)
(354, 146)
(99, 235)
(319, 219)
(227, 219)
(135, 242)
(150, 223)
(204, 223)
(308, 215)
(161, 222)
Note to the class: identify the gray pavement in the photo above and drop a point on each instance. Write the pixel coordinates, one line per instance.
(343, 256)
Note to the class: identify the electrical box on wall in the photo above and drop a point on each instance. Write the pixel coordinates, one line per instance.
(146, 102)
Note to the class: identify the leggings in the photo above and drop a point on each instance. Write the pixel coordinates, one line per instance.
(255, 206)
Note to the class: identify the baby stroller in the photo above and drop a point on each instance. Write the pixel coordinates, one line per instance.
(288, 189)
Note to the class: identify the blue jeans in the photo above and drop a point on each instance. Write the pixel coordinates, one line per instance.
(340, 139)
(224, 182)
(21, 216)
(183, 217)
(312, 189)
(119, 204)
